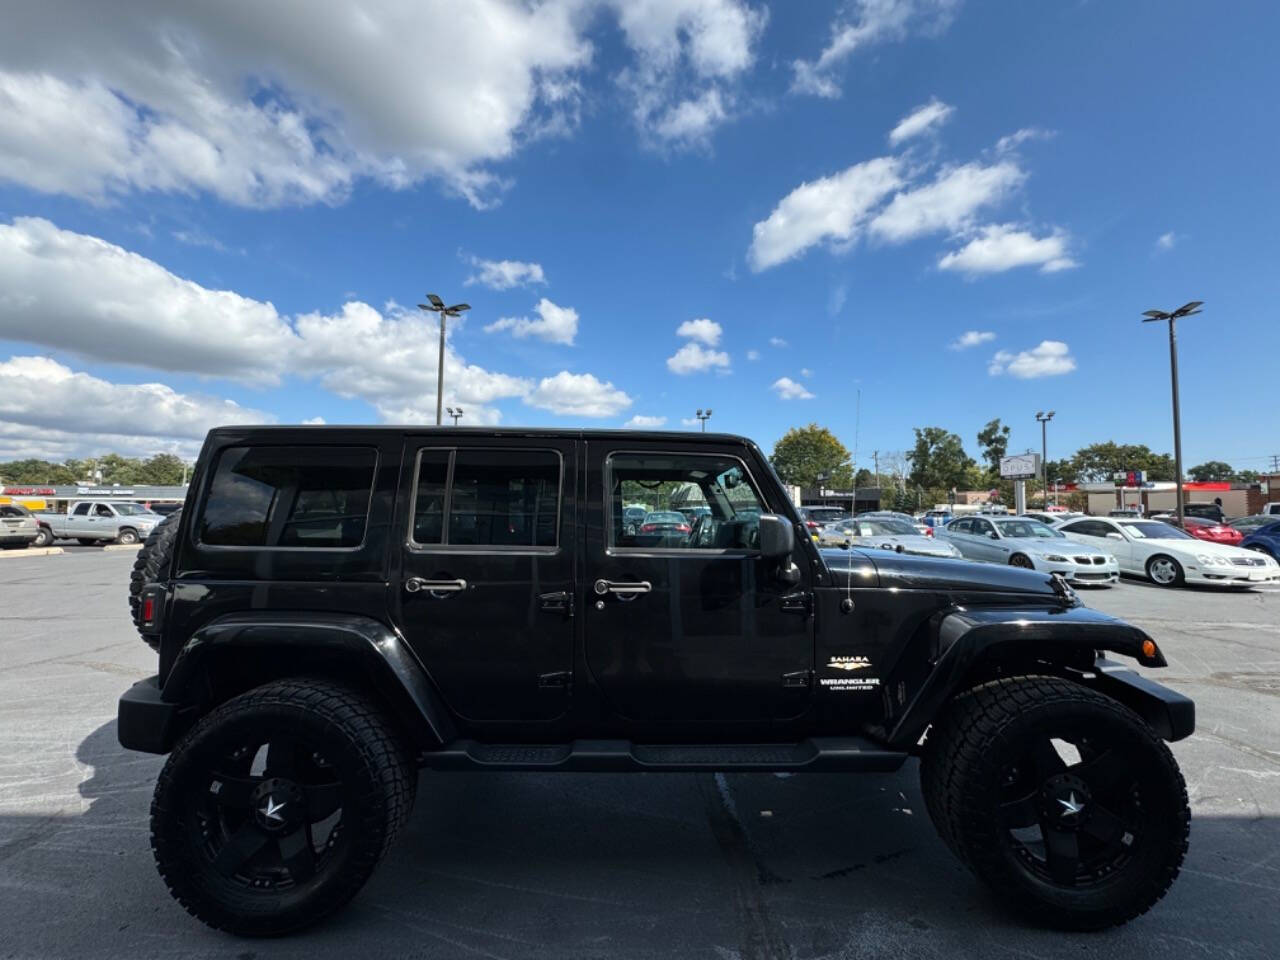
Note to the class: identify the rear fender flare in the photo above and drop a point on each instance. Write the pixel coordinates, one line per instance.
(1060, 639)
(374, 653)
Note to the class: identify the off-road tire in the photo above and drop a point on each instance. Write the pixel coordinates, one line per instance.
(961, 765)
(153, 562)
(367, 754)
(44, 538)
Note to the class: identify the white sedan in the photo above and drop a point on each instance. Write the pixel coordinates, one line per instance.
(1165, 555)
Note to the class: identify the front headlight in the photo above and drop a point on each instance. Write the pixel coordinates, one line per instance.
(1054, 558)
(1207, 561)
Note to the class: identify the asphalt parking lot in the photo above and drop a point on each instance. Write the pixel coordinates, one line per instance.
(656, 865)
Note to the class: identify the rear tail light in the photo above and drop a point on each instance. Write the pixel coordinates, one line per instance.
(682, 528)
(647, 528)
(148, 609)
(928, 531)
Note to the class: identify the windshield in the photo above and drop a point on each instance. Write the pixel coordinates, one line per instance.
(1154, 530)
(1026, 528)
(130, 509)
(885, 527)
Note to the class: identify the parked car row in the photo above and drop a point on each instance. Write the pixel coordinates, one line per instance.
(87, 521)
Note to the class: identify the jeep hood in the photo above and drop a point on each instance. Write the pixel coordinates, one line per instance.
(884, 568)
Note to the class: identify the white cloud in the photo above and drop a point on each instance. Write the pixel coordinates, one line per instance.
(690, 421)
(831, 209)
(1166, 241)
(1050, 359)
(972, 338)
(74, 292)
(788, 389)
(949, 203)
(806, 372)
(1002, 246)
(689, 54)
(1014, 140)
(777, 342)
(41, 393)
(235, 100)
(695, 358)
(555, 324)
(66, 291)
(921, 120)
(862, 23)
(578, 395)
(314, 422)
(701, 329)
(642, 422)
(505, 274)
(753, 354)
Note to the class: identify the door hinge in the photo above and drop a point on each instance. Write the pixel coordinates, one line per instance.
(561, 601)
(558, 680)
(801, 678)
(800, 602)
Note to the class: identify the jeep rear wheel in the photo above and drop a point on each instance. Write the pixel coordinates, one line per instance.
(1063, 801)
(274, 810)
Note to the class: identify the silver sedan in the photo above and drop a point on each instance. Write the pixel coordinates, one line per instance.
(886, 533)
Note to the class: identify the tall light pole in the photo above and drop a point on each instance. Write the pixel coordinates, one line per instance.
(454, 412)
(437, 306)
(1186, 310)
(704, 416)
(1043, 419)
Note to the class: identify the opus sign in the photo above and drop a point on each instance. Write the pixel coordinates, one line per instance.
(1020, 466)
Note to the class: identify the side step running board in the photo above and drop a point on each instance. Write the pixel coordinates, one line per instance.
(815, 754)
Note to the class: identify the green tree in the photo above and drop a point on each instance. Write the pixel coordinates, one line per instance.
(993, 440)
(23, 472)
(1247, 476)
(1100, 460)
(805, 452)
(938, 460)
(864, 478)
(1211, 470)
(164, 469)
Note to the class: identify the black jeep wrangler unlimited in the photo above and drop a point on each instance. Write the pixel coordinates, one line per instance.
(335, 607)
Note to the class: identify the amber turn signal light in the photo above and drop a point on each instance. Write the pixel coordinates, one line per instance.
(1149, 649)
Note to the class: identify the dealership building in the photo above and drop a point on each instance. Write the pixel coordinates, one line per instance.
(57, 498)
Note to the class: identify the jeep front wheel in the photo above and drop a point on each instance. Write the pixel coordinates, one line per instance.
(1063, 801)
(274, 810)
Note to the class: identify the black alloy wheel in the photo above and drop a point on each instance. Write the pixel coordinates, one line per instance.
(1063, 801)
(1020, 560)
(274, 810)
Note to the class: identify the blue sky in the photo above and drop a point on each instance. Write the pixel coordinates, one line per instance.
(757, 208)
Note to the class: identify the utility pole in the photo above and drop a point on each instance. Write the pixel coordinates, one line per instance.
(1186, 310)
(437, 306)
(875, 458)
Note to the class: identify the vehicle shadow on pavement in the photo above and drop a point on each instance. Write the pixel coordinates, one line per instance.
(618, 865)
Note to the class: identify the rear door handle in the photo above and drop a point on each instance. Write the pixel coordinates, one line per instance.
(417, 584)
(622, 589)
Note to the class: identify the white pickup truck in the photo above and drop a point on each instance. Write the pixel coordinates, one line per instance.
(97, 521)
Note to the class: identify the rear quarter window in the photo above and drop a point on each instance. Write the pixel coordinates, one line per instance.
(296, 497)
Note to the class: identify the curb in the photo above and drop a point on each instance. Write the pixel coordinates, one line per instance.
(32, 552)
(123, 546)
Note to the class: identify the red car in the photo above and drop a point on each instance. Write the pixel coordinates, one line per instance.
(1209, 530)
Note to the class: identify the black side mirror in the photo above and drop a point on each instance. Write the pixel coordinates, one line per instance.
(777, 536)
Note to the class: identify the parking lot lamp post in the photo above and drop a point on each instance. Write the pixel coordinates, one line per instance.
(437, 306)
(704, 416)
(1043, 419)
(454, 412)
(1186, 310)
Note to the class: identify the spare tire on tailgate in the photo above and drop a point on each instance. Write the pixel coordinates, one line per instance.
(153, 562)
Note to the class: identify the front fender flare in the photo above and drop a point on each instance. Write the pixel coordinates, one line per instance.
(373, 651)
(1063, 638)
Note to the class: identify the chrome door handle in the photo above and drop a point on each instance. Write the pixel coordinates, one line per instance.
(619, 589)
(417, 585)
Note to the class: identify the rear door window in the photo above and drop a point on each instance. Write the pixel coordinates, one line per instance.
(301, 497)
(491, 498)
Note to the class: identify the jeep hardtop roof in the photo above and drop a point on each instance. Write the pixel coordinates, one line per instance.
(571, 433)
